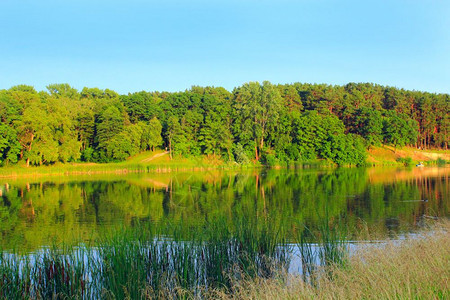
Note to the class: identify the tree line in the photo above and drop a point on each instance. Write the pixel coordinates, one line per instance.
(256, 122)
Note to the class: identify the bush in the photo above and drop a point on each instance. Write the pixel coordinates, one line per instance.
(440, 162)
(407, 161)
(240, 155)
(270, 160)
(87, 154)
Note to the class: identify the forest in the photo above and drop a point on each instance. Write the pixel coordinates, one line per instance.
(255, 123)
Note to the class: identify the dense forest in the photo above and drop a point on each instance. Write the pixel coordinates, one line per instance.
(255, 122)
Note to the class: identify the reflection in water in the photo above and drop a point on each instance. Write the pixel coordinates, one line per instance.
(41, 212)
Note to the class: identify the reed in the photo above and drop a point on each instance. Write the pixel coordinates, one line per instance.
(147, 261)
(45, 274)
(323, 247)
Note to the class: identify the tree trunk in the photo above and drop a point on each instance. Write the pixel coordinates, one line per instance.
(170, 149)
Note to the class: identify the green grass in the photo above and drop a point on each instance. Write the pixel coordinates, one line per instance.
(159, 161)
(325, 247)
(144, 163)
(247, 260)
(144, 262)
(135, 164)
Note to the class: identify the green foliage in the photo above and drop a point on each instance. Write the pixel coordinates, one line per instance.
(441, 161)
(125, 144)
(87, 154)
(240, 155)
(9, 145)
(151, 134)
(142, 106)
(407, 161)
(369, 124)
(345, 150)
(270, 160)
(323, 136)
(142, 262)
(256, 108)
(176, 137)
(215, 138)
(293, 122)
(47, 133)
(110, 123)
(63, 90)
(399, 130)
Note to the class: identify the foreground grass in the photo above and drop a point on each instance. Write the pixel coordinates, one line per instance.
(242, 263)
(144, 262)
(415, 268)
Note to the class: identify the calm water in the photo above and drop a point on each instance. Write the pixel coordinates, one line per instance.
(36, 212)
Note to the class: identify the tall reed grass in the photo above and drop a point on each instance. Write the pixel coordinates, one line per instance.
(247, 260)
(324, 247)
(145, 262)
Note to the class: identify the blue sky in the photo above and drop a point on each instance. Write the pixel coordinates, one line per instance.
(170, 45)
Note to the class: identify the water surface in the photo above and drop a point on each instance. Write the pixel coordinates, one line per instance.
(37, 212)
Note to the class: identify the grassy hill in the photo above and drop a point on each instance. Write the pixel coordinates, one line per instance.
(388, 155)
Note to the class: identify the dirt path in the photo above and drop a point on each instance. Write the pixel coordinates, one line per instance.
(154, 156)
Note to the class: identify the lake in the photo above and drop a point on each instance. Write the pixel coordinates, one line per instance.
(374, 203)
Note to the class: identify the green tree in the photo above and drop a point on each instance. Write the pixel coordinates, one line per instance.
(345, 149)
(151, 135)
(141, 106)
(256, 106)
(125, 144)
(291, 97)
(399, 130)
(368, 124)
(9, 145)
(215, 137)
(313, 133)
(110, 123)
(176, 139)
(60, 90)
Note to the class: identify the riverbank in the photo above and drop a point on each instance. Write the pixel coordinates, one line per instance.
(414, 268)
(160, 162)
(146, 162)
(388, 155)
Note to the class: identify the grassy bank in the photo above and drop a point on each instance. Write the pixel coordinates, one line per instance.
(415, 268)
(160, 162)
(388, 155)
(146, 162)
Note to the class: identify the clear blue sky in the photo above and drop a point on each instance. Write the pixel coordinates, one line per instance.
(170, 45)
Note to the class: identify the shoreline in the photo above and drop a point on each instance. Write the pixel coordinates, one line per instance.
(66, 170)
(377, 157)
